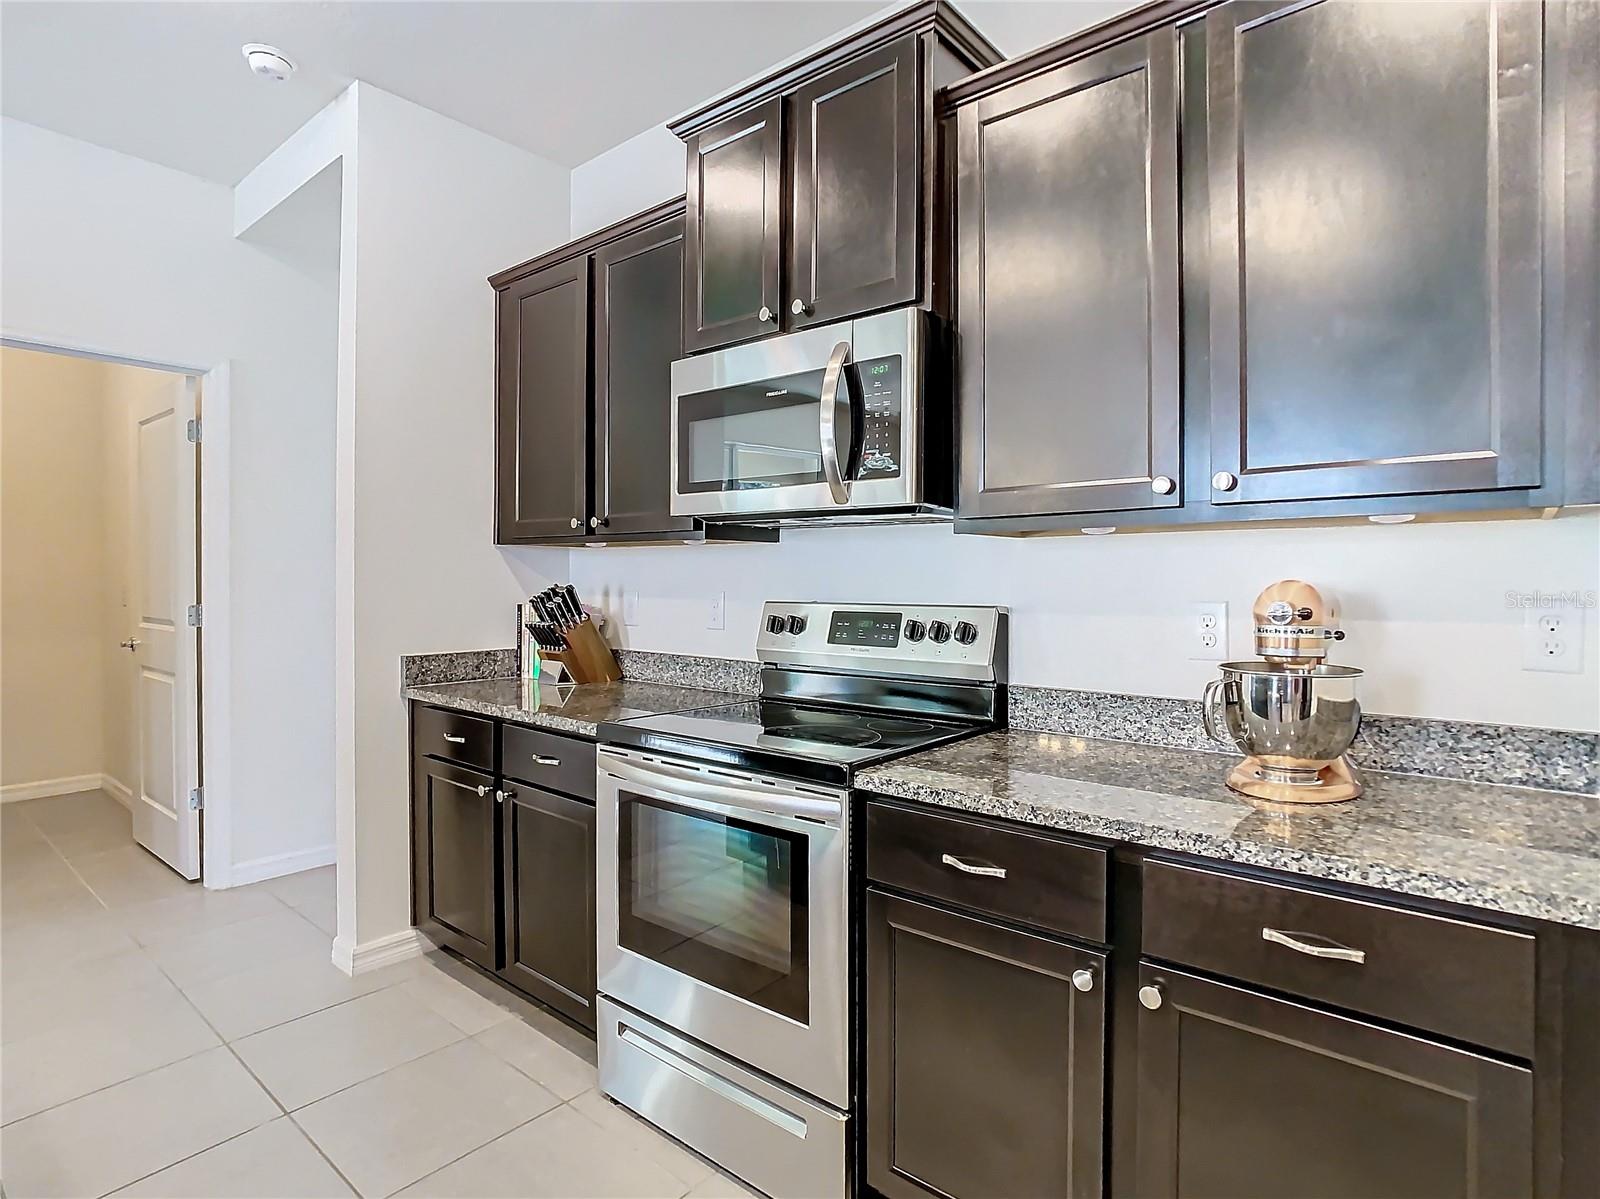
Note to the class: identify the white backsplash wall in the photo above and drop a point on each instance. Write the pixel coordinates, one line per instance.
(1425, 606)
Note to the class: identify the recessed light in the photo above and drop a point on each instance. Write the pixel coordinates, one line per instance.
(268, 61)
(1396, 518)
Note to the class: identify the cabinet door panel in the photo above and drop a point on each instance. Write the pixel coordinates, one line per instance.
(734, 236)
(857, 187)
(1242, 1096)
(455, 883)
(549, 899)
(638, 332)
(1375, 233)
(1067, 306)
(542, 405)
(985, 1065)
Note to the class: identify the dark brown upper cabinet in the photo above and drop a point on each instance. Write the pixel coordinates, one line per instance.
(585, 342)
(1375, 200)
(856, 160)
(638, 332)
(542, 397)
(735, 231)
(1246, 1096)
(814, 193)
(1067, 186)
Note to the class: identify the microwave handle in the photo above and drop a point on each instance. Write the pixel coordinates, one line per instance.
(836, 449)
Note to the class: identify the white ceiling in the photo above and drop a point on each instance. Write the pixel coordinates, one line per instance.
(166, 82)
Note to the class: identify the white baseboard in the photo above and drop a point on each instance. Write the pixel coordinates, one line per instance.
(375, 954)
(258, 870)
(118, 790)
(45, 788)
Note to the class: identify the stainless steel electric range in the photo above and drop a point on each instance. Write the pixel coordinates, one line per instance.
(723, 878)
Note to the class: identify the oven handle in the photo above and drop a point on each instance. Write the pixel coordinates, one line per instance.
(834, 462)
(688, 783)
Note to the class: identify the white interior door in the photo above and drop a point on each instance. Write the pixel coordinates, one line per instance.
(166, 647)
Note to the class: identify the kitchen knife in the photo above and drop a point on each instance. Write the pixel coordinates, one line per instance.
(571, 594)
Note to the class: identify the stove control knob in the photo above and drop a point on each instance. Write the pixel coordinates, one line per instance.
(966, 632)
(776, 624)
(797, 625)
(939, 632)
(915, 630)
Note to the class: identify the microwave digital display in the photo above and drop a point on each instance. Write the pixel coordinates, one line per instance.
(865, 628)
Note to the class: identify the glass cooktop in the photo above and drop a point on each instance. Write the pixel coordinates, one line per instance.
(785, 737)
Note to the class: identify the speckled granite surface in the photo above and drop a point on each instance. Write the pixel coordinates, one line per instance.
(688, 670)
(1531, 853)
(419, 670)
(579, 708)
(1491, 753)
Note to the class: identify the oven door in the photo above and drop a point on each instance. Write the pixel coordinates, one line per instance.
(816, 421)
(722, 912)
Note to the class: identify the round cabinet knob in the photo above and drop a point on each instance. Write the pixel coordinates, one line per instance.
(1150, 996)
(776, 624)
(1223, 481)
(765, 315)
(1162, 485)
(939, 632)
(502, 796)
(483, 790)
(797, 625)
(1083, 979)
(576, 523)
(800, 308)
(966, 632)
(599, 522)
(915, 630)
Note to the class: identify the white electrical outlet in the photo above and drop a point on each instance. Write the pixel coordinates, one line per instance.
(717, 611)
(630, 608)
(1208, 632)
(1552, 640)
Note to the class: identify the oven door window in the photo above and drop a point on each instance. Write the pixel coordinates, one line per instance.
(720, 899)
(752, 435)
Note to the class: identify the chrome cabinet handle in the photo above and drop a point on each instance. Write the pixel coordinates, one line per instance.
(131, 644)
(483, 790)
(950, 859)
(454, 740)
(1332, 949)
(1150, 996)
(541, 760)
(766, 315)
(833, 460)
(1083, 979)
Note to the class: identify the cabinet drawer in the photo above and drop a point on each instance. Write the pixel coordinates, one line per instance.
(453, 736)
(1041, 881)
(1461, 980)
(548, 760)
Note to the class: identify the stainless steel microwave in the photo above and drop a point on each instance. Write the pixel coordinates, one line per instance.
(845, 422)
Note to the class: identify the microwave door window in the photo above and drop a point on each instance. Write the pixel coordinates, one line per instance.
(752, 436)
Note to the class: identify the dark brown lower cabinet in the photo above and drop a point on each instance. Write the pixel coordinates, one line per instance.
(549, 899)
(985, 1061)
(455, 831)
(1245, 1096)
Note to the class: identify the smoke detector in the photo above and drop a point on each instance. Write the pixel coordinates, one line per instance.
(268, 61)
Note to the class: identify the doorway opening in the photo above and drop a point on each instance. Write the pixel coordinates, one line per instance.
(100, 605)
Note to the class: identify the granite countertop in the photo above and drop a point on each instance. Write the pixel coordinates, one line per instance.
(1510, 849)
(577, 708)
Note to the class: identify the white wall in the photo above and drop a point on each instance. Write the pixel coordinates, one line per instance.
(1425, 603)
(111, 253)
(52, 576)
(437, 208)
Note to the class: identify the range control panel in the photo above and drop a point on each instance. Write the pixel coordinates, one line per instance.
(912, 639)
(880, 402)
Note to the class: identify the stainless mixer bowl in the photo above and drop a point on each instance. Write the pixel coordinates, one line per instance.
(1297, 718)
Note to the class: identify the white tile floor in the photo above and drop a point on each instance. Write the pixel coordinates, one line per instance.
(163, 1040)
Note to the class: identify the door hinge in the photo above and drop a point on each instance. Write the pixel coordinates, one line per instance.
(193, 431)
(195, 616)
(197, 799)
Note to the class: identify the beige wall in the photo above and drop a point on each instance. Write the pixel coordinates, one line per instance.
(66, 689)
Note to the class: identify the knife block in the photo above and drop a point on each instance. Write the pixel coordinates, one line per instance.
(588, 658)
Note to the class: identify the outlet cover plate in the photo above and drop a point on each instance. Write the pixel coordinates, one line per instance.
(1207, 632)
(1552, 640)
(717, 611)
